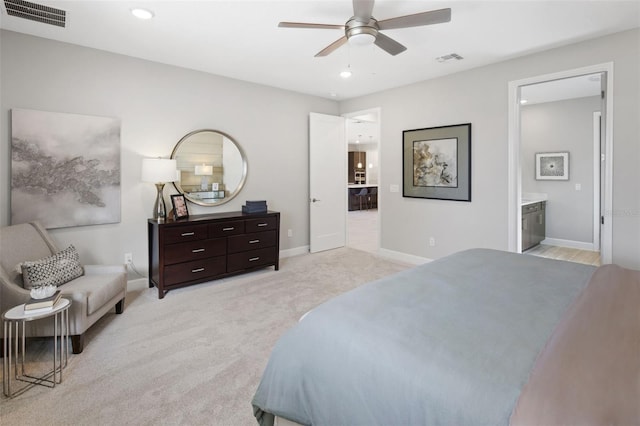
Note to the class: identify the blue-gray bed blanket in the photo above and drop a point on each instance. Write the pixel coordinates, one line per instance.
(450, 342)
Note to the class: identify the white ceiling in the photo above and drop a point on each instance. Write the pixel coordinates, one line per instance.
(566, 88)
(241, 38)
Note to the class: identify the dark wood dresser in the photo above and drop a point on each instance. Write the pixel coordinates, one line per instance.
(206, 247)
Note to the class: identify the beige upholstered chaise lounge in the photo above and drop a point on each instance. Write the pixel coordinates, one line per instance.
(92, 295)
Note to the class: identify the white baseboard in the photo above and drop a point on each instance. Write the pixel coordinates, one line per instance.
(138, 283)
(389, 254)
(294, 251)
(568, 243)
(403, 257)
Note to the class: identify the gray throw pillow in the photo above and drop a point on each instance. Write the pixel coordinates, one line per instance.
(58, 269)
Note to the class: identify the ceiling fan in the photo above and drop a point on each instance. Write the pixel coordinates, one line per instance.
(363, 28)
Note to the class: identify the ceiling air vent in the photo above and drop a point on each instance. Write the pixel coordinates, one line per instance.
(36, 12)
(449, 57)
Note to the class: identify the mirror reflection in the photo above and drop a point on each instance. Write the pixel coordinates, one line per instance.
(211, 165)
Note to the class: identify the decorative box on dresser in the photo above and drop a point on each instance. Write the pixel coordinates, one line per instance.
(206, 247)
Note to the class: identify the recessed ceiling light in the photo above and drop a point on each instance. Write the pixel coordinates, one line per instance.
(142, 13)
(523, 101)
(345, 74)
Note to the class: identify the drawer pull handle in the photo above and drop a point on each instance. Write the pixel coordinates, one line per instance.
(197, 270)
(228, 229)
(253, 259)
(188, 234)
(254, 241)
(197, 250)
(262, 224)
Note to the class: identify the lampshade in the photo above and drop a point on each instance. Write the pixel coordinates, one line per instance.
(204, 170)
(156, 170)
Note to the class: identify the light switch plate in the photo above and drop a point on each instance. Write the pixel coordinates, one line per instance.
(394, 188)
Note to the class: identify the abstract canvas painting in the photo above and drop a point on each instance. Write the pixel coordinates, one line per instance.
(65, 168)
(435, 163)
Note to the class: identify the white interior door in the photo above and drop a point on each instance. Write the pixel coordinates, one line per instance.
(327, 182)
(597, 179)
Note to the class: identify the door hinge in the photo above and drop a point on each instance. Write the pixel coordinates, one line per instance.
(602, 94)
(602, 220)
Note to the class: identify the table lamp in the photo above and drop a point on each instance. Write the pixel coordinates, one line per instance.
(159, 171)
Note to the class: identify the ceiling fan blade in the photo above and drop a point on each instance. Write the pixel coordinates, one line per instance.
(333, 46)
(416, 20)
(389, 45)
(362, 10)
(307, 25)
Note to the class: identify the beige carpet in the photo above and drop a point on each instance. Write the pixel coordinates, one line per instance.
(194, 357)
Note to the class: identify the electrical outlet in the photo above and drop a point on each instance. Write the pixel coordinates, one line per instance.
(128, 258)
(432, 242)
(290, 233)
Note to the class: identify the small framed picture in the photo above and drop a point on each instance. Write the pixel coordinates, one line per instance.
(179, 206)
(552, 166)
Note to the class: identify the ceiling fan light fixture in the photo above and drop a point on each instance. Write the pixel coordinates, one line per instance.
(363, 29)
(362, 39)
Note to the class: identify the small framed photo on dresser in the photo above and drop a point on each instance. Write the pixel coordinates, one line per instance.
(180, 210)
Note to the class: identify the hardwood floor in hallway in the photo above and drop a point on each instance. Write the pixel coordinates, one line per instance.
(565, 253)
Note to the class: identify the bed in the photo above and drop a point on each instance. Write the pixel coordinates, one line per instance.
(478, 337)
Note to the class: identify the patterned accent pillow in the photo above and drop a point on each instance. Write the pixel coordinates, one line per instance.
(58, 269)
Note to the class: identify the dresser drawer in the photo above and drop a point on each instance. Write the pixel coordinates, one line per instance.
(180, 234)
(259, 225)
(195, 270)
(250, 259)
(257, 240)
(194, 250)
(222, 229)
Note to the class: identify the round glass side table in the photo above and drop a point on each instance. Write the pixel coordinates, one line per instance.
(14, 346)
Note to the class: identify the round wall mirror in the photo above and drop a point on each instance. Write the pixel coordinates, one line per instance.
(211, 165)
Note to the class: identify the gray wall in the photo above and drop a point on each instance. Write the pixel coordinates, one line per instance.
(157, 105)
(562, 126)
(480, 97)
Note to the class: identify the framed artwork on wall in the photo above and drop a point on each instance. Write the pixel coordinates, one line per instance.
(179, 206)
(552, 166)
(437, 163)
